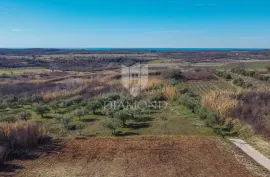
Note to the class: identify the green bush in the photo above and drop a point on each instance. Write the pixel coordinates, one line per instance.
(8, 118)
(80, 113)
(95, 105)
(172, 74)
(76, 126)
(111, 124)
(42, 109)
(24, 115)
(190, 102)
(157, 97)
(173, 82)
(3, 105)
(112, 97)
(267, 68)
(64, 120)
(202, 113)
(123, 116)
(212, 119)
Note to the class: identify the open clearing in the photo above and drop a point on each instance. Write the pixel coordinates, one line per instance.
(137, 156)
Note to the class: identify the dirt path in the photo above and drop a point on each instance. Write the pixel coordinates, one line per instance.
(256, 155)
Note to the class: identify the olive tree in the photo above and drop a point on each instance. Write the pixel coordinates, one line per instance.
(111, 124)
(24, 115)
(79, 113)
(123, 116)
(42, 109)
(94, 105)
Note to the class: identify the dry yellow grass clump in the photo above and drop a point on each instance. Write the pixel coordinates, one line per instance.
(221, 101)
(48, 96)
(152, 82)
(167, 90)
(21, 134)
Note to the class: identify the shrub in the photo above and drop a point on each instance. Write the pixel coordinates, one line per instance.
(173, 82)
(3, 105)
(54, 105)
(212, 119)
(202, 112)
(24, 115)
(172, 74)
(123, 116)
(239, 82)
(19, 136)
(80, 113)
(8, 118)
(267, 68)
(266, 78)
(111, 124)
(75, 126)
(42, 109)
(254, 110)
(112, 97)
(189, 102)
(94, 105)
(157, 97)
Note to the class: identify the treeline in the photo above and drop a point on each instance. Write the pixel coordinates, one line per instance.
(212, 55)
(223, 74)
(212, 118)
(254, 109)
(237, 81)
(82, 64)
(187, 55)
(254, 74)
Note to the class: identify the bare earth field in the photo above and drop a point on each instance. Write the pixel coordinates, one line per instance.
(136, 156)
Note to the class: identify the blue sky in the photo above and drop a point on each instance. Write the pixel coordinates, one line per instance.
(135, 23)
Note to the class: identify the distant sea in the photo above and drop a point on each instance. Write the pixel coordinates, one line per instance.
(168, 49)
(148, 49)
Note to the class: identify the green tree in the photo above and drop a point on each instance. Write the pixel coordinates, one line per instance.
(3, 105)
(172, 74)
(111, 124)
(123, 116)
(24, 115)
(42, 109)
(54, 105)
(79, 113)
(267, 68)
(94, 105)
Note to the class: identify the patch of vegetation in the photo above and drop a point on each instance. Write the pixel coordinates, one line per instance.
(253, 74)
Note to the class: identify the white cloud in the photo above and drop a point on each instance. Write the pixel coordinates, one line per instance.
(16, 30)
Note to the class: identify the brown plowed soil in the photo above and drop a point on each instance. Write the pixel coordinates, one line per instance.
(136, 157)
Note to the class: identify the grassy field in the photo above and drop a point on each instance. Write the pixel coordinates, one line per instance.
(17, 71)
(186, 134)
(253, 64)
(206, 86)
(175, 120)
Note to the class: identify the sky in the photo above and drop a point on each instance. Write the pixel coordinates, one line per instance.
(134, 24)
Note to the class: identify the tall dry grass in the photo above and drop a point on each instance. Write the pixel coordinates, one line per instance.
(76, 89)
(224, 102)
(48, 96)
(167, 90)
(21, 135)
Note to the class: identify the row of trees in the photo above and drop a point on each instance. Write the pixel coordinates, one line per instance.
(254, 74)
(241, 83)
(212, 118)
(223, 74)
(16, 116)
